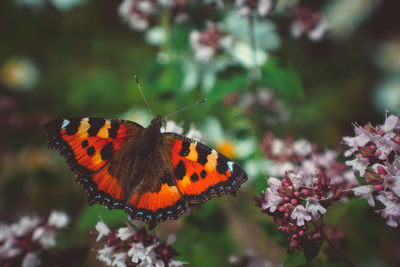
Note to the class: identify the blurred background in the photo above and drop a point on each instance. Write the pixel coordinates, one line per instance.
(318, 67)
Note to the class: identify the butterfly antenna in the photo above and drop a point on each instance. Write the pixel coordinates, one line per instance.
(187, 107)
(141, 92)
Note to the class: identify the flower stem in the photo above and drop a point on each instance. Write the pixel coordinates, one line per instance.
(338, 251)
(256, 72)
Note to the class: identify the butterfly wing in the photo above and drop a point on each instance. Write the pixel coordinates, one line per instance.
(201, 172)
(88, 145)
(157, 198)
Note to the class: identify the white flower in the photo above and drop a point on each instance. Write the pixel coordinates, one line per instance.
(156, 36)
(58, 219)
(244, 54)
(103, 230)
(300, 214)
(105, 254)
(146, 255)
(119, 259)
(137, 252)
(355, 142)
(280, 168)
(319, 31)
(24, 225)
(272, 200)
(208, 42)
(385, 144)
(310, 165)
(194, 133)
(125, 232)
(279, 148)
(365, 192)
(31, 260)
(392, 178)
(45, 236)
(136, 13)
(301, 178)
(202, 52)
(7, 241)
(391, 123)
(314, 207)
(171, 127)
(274, 183)
(302, 147)
(359, 164)
(272, 197)
(392, 208)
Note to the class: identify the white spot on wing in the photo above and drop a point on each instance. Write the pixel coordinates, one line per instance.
(65, 124)
(230, 165)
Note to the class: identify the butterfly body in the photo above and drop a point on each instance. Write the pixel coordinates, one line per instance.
(153, 176)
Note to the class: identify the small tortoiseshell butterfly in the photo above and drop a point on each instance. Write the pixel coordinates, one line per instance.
(152, 176)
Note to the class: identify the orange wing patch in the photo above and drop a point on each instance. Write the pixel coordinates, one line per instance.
(167, 196)
(88, 143)
(201, 172)
(154, 207)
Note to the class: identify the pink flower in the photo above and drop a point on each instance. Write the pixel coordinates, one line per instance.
(207, 43)
(365, 192)
(300, 214)
(314, 207)
(311, 23)
(26, 239)
(359, 164)
(132, 245)
(355, 142)
(391, 212)
(138, 13)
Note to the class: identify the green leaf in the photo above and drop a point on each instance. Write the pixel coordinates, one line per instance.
(230, 80)
(90, 216)
(165, 78)
(295, 259)
(283, 79)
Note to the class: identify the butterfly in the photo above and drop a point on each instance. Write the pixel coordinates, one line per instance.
(153, 176)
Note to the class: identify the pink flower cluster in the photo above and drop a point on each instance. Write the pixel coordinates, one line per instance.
(296, 200)
(21, 243)
(309, 182)
(208, 42)
(133, 246)
(301, 155)
(376, 159)
(140, 14)
(309, 23)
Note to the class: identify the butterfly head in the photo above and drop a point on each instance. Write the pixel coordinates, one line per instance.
(156, 122)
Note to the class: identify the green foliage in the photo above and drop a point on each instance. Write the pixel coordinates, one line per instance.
(228, 81)
(92, 214)
(295, 259)
(283, 79)
(206, 239)
(165, 78)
